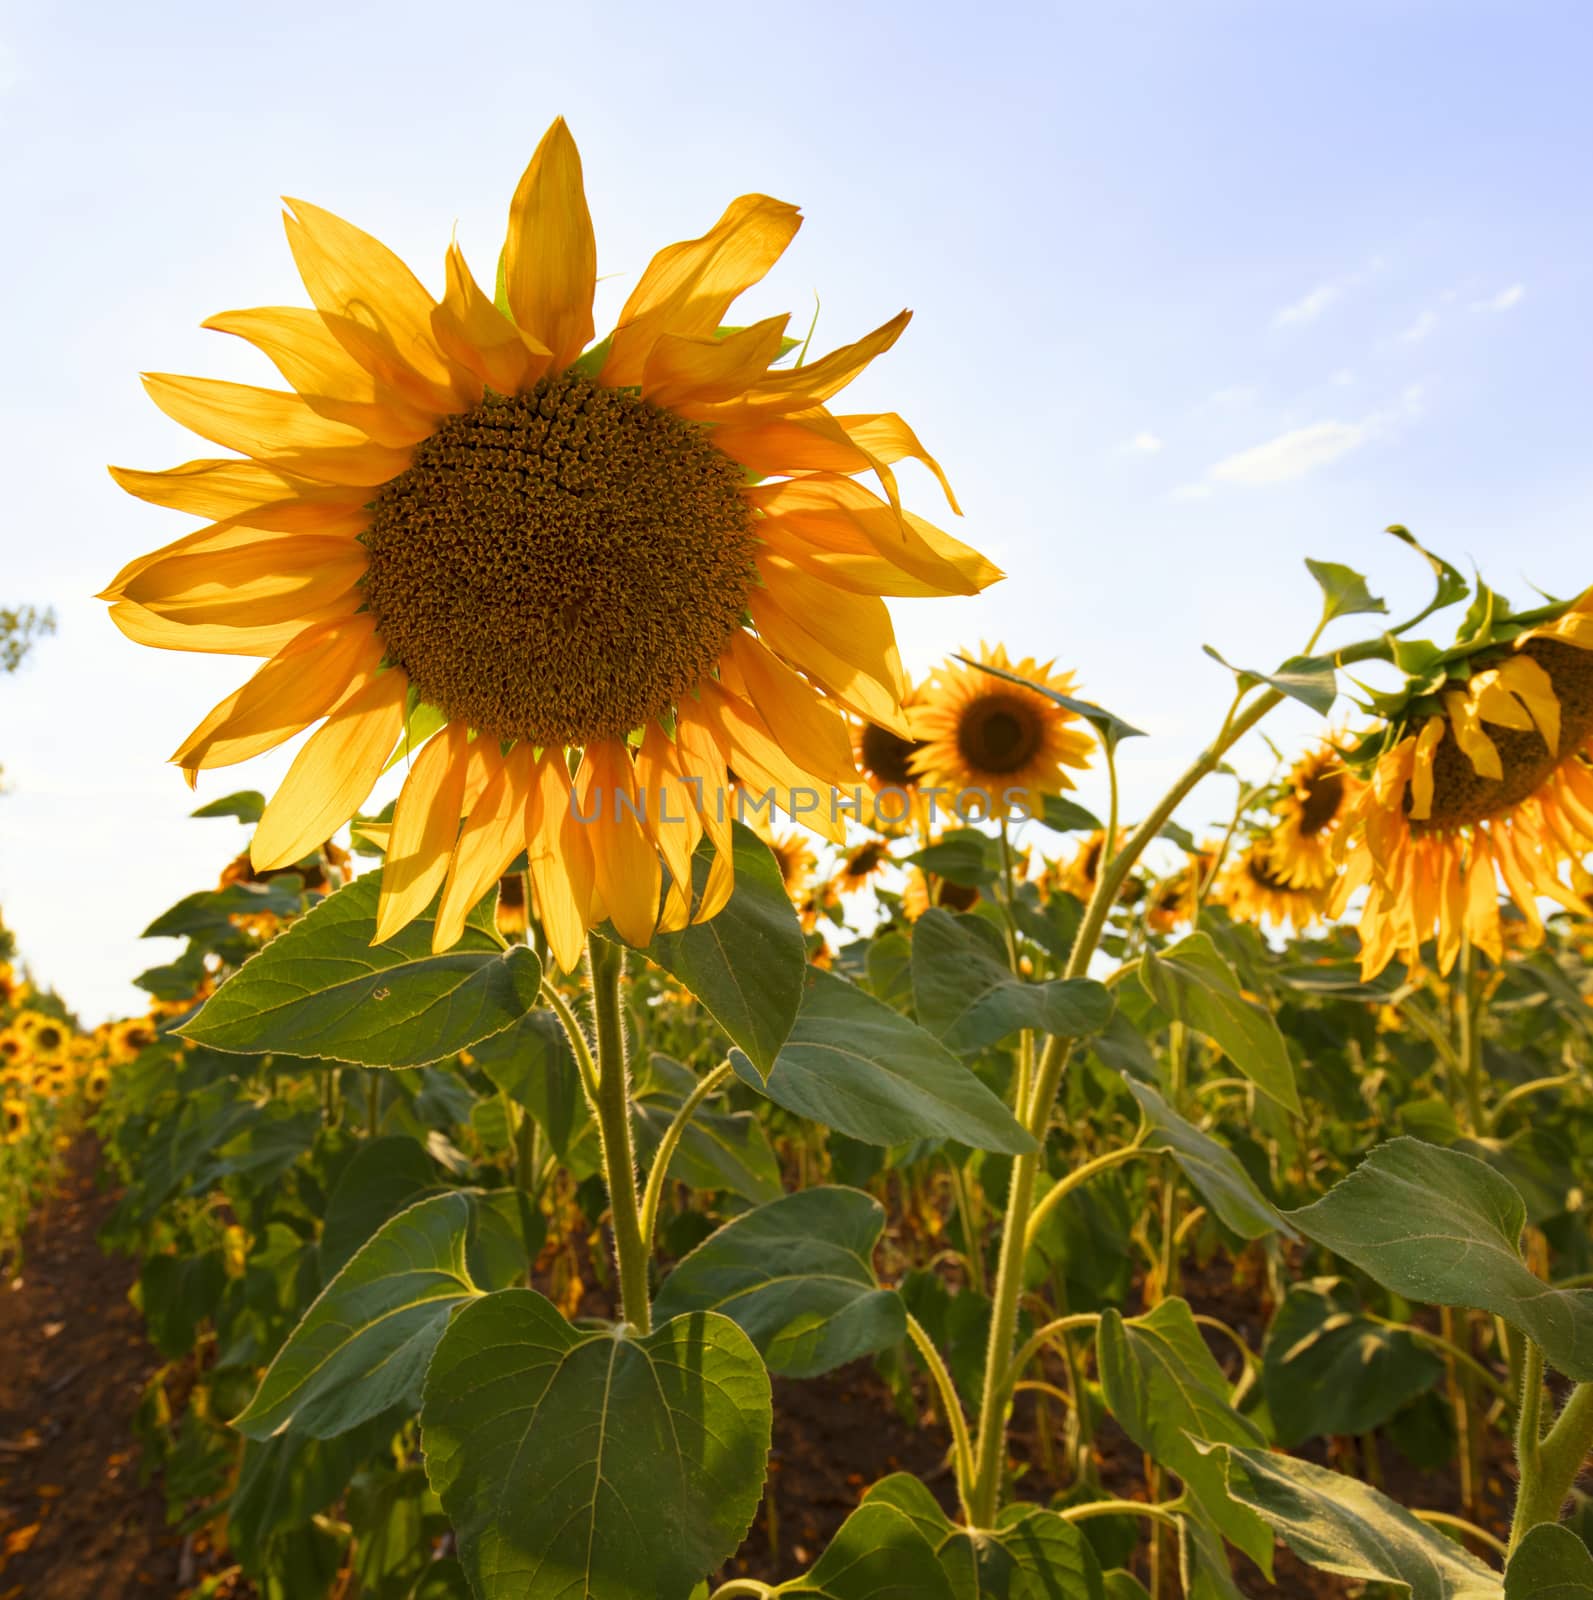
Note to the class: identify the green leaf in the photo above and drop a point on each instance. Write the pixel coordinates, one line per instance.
(878, 1553)
(857, 1066)
(1033, 1554)
(1192, 983)
(1443, 1227)
(1550, 1563)
(718, 1149)
(1312, 680)
(322, 990)
(1345, 1526)
(248, 805)
(364, 1344)
(1344, 591)
(1112, 729)
(1212, 1167)
(967, 996)
(383, 1177)
(746, 964)
(962, 856)
(1451, 585)
(210, 912)
(1166, 1390)
(797, 1277)
(1066, 816)
(593, 1463)
(1327, 1369)
(532, 1063)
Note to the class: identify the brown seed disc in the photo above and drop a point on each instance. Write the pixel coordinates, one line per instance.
(999, 732)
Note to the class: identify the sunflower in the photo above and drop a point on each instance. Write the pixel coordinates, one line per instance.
(1488, 782)
(920, 893)
(13, 1047)
(1254, 889)
(994, 746)
(1175, 900)
(794, 857)
(860, 866)
(14, 1118)
(571, 581)
(1319, 794)
(131, 1037)
(10, 987)
(885, 758)
(45, 1037)
(512, 909)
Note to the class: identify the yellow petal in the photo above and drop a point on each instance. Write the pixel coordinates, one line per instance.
(264, 581)
(483, 341)
(628, 874)
(246, 493)
(803, 388)
(812, 731)
(216, 539)
(144, 626)
(298, 343)
(331, 776)
(802, 442)
(550, 257)
(887, 438)
(493, 835)
(691, 375)
(424, 831)
(1421, 777)
(1533, 687)
(301, 683)
(1482, 902)
(373, 305)
(559, 853)
(272, 425)
(1475, 745)
(688, 287)
(702, 760)
(669, 808)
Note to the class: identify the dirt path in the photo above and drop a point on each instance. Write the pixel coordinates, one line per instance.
(74, 1523)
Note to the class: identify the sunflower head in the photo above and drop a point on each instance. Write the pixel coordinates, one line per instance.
(997, 747)
(573, 583)
(132, 1036)
(1254, 889)
(14, 1118)
(793, 854)
(1316, 799)
(861, 865)
(44, 1036)
(1481, 779)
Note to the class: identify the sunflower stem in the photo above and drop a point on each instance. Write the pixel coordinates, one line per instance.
(607, 964)
(1468, 1037)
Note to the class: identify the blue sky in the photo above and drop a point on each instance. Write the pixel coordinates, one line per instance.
(1202, 287)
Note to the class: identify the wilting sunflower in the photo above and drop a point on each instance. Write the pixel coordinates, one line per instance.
(1318, 795)
(1488, 782)
(994, 746)
(1254, 889)
(467, 517)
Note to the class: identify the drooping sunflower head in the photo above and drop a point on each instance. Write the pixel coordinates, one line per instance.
(996, 746)
(1318, 796)
(1254, 888)
(572, 582)
(1488, 779)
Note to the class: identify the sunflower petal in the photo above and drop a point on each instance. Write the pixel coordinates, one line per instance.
(1534, 688)
(263, 581)
(424, 832)
(247, 494)
(559, 854)
(1466, 727)
(888, 439)
(144, 626)
(688, 287)
(331, 776)
(550, 260)
(1421, 776)
(806, 387)
(628, 874)
(493, 835)
(483, 341)
(692, 376)
(810, 729)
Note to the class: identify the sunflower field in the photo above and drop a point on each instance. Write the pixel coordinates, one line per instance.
(743, 1122)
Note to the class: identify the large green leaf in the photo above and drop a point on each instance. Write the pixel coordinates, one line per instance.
(965, 993)
(1212, 1167)
(383, 1177)
(364, 1344)
(1550, 1563)
(1443, 1227)
(797, 1275)
(1327, 1369)
(745, 964)
(1309, 679)
(878, 1553)
(210, 911)
(1343, 1525)
(1192, 983)
(593, 1463)
(1344, 590)
(1032, 1555)
(857, 1066)
(323, 990)
(1166, 1390)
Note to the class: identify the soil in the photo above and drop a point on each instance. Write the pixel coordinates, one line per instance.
(76, 1524)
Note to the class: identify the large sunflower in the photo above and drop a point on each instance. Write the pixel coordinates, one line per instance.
(1318, 795)
(1491, 782)
(993, 746)
(641, 560)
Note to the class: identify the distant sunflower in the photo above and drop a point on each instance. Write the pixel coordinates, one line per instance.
(45, 1037)
(985, 739)
(1319, 794)
(10, 986)
(130, 1038)
(14, 1118)
(1254, 890)
(512, 909)
(467, 517)
(918, 896)
(794, 857)
(885, 758)
(861, 865)
(13, 1047)
(1175, 900)
(1493, 785)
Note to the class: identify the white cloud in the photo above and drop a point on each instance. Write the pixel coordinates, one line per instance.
(1292, 454)
(1420, 328)
(1505, 300)
(1143, 444)
(1309, 306)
